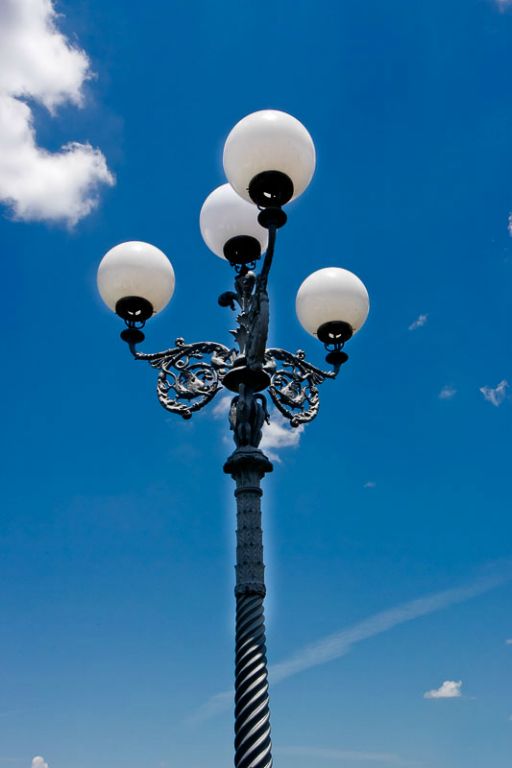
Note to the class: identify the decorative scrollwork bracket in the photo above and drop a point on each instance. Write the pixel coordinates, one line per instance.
(190, 374)
(294, 384)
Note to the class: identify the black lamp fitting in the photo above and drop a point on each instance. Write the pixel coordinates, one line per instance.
(242, 249)
(134, 310)
(271, 189)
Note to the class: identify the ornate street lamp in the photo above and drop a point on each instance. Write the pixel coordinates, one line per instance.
(269, 160)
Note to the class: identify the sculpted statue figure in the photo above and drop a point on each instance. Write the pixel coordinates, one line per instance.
(247, 415)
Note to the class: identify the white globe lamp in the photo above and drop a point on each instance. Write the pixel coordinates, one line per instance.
(269, 158)
(332, 304)
(135, 280)
(230, 228)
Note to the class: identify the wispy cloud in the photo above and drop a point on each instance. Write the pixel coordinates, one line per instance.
(221, 407)
(420, 321)
(317, 753)
(504, 4)
(276, 435)
(450, 689)
(38, 63)
(495, 395)
(447, 393)
(9, 713)
(370, 484)
(219, 702)
(340, 643)
(509, 641)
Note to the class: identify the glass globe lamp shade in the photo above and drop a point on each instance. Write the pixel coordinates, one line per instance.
(226, 220)
(269, 158)
(332, 298)
(139, 272)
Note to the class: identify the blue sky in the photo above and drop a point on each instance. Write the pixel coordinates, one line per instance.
(387, 525)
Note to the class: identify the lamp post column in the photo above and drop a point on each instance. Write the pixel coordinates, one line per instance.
(248, 465)
(269, 159)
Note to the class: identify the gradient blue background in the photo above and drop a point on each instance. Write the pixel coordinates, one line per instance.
(117, 530)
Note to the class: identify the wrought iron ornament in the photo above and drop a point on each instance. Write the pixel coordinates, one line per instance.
(190, 375)
(294, 384)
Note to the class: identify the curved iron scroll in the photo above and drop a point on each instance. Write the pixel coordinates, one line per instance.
(293, 384)
(190, 374)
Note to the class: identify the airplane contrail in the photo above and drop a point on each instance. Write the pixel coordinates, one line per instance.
(340, 643)
(343, 754)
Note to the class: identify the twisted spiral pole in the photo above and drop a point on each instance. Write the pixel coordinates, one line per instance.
(253, 747)
(252, 715)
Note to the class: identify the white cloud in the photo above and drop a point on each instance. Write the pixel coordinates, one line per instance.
(447, 392)
(495, 395)
(503, 4)
(370, 484)
(39, 762)
(38, 63)
(418, 323)
(340, 643)
(221, 407)
(278, 434)
(509, 641)
(450, 689)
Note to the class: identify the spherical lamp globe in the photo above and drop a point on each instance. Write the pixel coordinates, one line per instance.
(269, 158)
(135, 280)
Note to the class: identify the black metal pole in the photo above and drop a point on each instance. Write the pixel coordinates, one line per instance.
(248, 465)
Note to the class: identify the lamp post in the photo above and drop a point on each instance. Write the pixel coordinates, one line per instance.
(269, 159)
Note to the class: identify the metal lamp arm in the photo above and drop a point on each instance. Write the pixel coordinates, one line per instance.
(269, 255)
